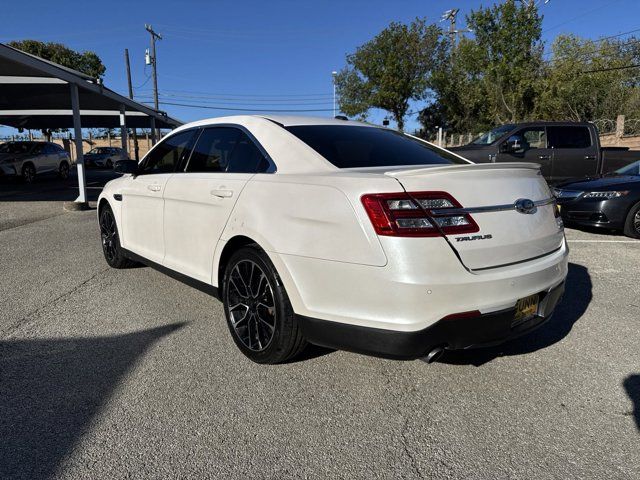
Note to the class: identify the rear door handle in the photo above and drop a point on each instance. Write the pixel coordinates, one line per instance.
(544, 157)
(222, 193)
(589, 157)
(154, 188)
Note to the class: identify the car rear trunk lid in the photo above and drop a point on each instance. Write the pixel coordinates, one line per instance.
(495, 196)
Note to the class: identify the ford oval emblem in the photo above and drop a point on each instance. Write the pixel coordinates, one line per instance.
(524, 205)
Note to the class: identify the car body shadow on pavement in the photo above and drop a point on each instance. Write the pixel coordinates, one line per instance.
(632, 387)
(50, 390)
(50, 188)
(577, 296)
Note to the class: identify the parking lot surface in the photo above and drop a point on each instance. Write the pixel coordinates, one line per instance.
(127, 373)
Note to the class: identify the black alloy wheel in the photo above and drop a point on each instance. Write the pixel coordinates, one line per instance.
(258, 311)
(63, 171)
(111, 248)
(28, 173)
(632, 224)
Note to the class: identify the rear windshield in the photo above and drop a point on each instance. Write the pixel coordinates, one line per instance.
(357, 147)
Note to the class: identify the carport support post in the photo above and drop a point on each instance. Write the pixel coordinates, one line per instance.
(81, 201)
(153, 131)
(123, 130)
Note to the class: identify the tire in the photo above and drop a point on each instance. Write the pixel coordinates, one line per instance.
(63, 170)
(259, 314)
(109, 164)
(28, 173)
(632, 224)
(111, 248)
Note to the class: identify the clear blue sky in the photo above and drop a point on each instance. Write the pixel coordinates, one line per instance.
(257, 54)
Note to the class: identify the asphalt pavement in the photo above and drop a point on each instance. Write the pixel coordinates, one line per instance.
(129, 374)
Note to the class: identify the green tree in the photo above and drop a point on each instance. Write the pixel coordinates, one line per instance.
(584, 80)
(390, 70)
(495, 76)
(509, 35)
(86, 62)
(461, 97)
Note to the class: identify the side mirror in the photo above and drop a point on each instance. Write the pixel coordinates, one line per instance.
(126, 166)
(512, 144)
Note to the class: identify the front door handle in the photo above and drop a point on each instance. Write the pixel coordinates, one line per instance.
(222, 193)
(154, 188)
(544, 157)
(589, 157)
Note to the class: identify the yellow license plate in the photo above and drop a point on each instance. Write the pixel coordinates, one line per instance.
(526, 307)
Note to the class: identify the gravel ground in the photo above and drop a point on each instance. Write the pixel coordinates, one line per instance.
(119, 374)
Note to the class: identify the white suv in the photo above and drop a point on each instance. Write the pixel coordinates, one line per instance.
(28, 159)
(341, 234)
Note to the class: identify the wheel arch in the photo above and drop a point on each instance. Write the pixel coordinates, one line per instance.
(101, 204)
(225, 249)
(103, 201)
(627, 216)
(229, 248)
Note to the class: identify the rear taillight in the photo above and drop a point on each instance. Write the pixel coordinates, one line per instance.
(399, 215)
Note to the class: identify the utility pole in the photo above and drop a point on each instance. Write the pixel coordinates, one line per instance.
(451, 16)
(453, 33)
(135, 136)
(154, 64)
(333, 76)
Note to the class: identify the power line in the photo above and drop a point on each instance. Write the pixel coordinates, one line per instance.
(256, 103)
(229, 96)
(608, 69)
(594, 48)
(243, 101)
(211, 107)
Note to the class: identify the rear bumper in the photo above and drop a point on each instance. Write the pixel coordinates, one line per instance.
(459, 333)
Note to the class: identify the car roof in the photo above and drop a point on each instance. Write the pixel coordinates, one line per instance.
(543, 123)
(267, 130)
(282, 120)
(297, 120)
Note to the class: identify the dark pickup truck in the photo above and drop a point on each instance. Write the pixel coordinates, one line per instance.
(564, 150)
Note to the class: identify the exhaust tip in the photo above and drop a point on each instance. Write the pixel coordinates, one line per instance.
(433, 355)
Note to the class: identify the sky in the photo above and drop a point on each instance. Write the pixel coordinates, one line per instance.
(257, 55)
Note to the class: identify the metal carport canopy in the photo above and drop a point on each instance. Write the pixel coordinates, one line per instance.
(39, 94)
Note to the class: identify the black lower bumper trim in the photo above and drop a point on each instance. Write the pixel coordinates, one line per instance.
(453, 333)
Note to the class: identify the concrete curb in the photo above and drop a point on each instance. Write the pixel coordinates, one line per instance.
(76, 206)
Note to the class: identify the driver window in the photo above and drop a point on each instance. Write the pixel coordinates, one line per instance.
(167, 154)
(531, 138)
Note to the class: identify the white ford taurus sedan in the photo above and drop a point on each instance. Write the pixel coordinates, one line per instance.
(341, 234)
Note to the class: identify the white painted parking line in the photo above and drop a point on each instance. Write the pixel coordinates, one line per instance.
(604, 241)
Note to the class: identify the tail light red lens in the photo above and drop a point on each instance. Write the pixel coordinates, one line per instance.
(398, 214)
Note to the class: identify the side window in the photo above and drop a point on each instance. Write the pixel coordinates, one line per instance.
(247, 157)
(38, 149)
(569, 137)
(535, 138)
(213, 150)
(54, 148)
(530, 138)
(226, 149)
(167, 154)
